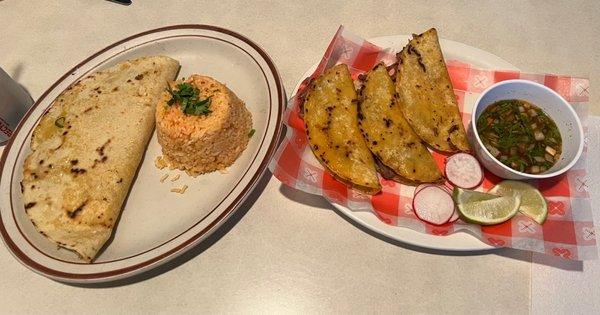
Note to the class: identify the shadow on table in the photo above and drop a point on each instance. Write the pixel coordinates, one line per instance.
(320, 202)
(304, 198)
(556, 262)
(16, 73)
(198, 249)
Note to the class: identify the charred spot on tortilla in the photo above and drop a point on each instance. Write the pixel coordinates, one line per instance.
(74, 213)
(78, 171)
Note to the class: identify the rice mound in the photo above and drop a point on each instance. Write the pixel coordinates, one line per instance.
(202, 144)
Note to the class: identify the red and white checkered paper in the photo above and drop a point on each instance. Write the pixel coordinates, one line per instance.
(569, 230)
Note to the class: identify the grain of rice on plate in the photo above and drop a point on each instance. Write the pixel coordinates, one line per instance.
(202, 126)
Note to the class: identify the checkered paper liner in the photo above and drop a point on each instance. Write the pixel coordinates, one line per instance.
(568, 232)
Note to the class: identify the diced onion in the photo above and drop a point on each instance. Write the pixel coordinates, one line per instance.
(549, 157)
(539, 136)
(532, 112)
(543, 168)
(521, 109)
(535, 169)
(531, 146)
(503, 157)
(550, 150)
(539, 159)
(493, 151)
(533, 126)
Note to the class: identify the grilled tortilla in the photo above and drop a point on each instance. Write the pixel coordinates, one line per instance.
(86, 149)
(426, 96)
(399, 153)
(330, 116)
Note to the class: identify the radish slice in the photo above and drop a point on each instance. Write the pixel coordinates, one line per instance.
(463, 170)
(433, 205)
(454, 217)
(446, 188)
(421, 186)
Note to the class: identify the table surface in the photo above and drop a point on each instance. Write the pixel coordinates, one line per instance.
(286, 251)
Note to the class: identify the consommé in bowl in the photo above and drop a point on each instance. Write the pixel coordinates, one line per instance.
(556, 107)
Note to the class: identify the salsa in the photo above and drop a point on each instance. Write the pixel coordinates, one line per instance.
(520, 135)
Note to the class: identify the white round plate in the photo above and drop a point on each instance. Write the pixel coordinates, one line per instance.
(460, 241)
(156, 224)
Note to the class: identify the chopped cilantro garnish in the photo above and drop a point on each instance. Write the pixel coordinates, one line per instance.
(188, 97)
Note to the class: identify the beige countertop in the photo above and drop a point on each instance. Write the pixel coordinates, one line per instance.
(286, 251)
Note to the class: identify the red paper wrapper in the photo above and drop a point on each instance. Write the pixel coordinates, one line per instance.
(569, 230)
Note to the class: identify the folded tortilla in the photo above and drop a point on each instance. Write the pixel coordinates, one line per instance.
(426, 96)
(86, 151)
(398, 151)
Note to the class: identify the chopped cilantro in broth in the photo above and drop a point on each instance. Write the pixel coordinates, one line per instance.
(520, 135)
(188, 97)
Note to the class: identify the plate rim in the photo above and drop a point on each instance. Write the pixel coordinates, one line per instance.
(279, 101)
(390, 231)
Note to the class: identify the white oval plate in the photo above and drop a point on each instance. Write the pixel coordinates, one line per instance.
(460, 241)
(156, 225)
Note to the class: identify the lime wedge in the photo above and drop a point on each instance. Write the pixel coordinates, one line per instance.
(485, 209)
(533, 203)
